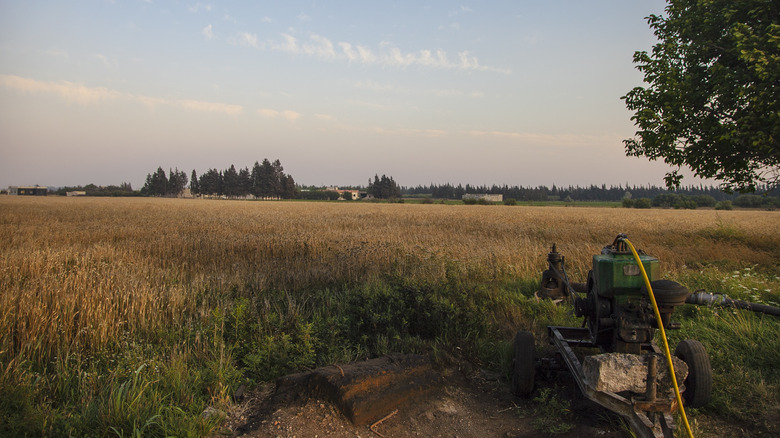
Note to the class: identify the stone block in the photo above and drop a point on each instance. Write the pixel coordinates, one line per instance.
(619, 372)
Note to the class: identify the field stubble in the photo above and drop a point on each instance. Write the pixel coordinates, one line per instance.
(97, 292)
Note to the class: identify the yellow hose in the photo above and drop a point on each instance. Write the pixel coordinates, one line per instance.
(663, 336)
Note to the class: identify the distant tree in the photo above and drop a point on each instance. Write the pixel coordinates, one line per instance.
(194, 186)
(244, 182)
(210, 183)
(384, 188)
(642, 203)
(704, 200)
(177, 181)
(724, 205)
(289, 190)
(665, 200)
(711, 103)
(263, 179)
(156, 183)
(749, 201)
(276, 180)
(230, 183)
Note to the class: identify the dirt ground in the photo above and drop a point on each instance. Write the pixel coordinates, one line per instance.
(475, 404)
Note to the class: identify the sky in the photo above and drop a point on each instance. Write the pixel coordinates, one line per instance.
(502, 92)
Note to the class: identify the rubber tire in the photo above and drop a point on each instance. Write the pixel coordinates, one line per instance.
(523, 371)
(698, 384)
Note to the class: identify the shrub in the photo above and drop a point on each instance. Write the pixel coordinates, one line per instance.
(686, 203)
(642, 203)
(628, 203)
(510, 201)
(724, 205)
(665, 200)
(704, 200)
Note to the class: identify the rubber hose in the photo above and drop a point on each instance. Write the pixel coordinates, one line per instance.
(708, 299)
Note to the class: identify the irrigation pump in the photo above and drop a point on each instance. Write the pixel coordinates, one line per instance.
(613, 356)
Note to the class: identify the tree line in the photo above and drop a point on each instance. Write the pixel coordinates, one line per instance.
(264, 180)
(602, 193)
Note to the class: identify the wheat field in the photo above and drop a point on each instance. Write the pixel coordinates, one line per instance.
(79, 276)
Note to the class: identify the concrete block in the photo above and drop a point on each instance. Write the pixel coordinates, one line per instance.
(618, 372)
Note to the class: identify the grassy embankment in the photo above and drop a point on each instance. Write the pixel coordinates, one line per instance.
(131, 316)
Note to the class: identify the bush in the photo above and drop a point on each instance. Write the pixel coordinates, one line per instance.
(749, 201)
(686, 203)
(724, 205)
(510, 201)
(643, 203)
(665, 200)
(628, 203)
(704, 200)
(470, 201)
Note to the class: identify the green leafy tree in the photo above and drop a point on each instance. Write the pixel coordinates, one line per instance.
(712, 101)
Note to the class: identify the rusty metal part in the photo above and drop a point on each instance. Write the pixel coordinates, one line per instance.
(647, 419)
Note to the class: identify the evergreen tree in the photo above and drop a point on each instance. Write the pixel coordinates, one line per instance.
(384, 188)
(194, 186)
(156, 183)
(177, 181)
(244, 182)
(230, 182)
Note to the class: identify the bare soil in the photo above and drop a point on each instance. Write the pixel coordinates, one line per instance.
(476, 404)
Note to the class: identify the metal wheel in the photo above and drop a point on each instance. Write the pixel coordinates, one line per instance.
(523, 371)
(698, 384)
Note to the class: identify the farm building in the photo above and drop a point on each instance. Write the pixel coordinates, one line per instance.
(28, 190)
(485, 196)
(76, 193)
(353, 194)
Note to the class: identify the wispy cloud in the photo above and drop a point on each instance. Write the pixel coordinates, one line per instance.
(386, 55)
(67, 90)
(197, 7)
(248, 39)
(208, 32)
(269, 113)
(285, 114)
(83, 95)
(325, 117)
(212, 107)
(291, 115)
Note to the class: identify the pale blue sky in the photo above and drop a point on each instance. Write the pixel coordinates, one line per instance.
(512, 92)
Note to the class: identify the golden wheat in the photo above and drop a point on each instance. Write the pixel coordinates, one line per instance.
(76, 273)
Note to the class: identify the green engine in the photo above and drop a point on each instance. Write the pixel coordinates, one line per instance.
(617, 307)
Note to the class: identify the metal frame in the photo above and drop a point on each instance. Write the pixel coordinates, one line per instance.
(648, 418)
